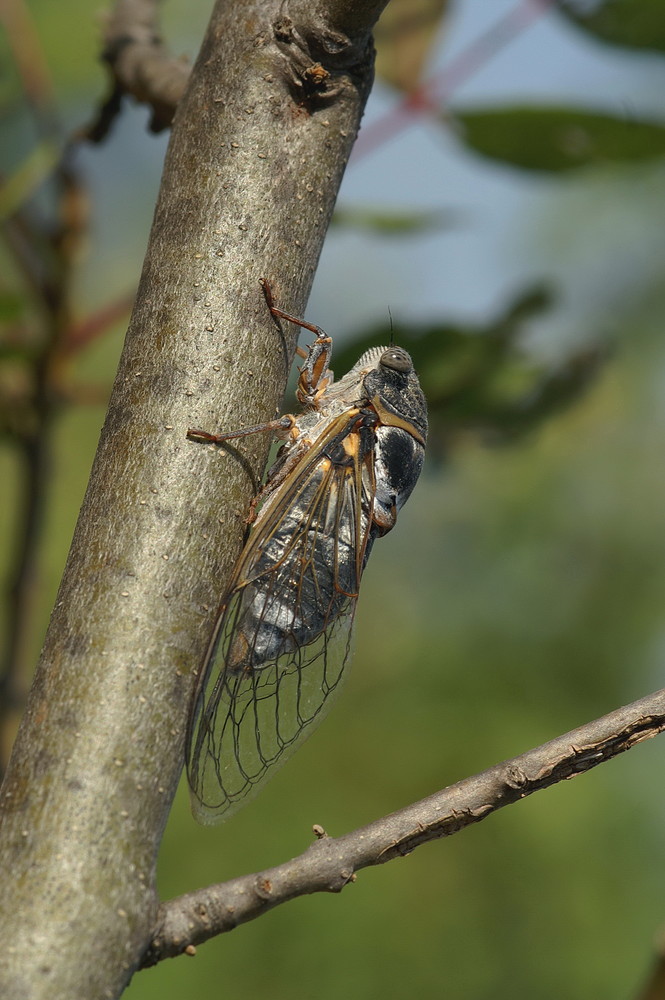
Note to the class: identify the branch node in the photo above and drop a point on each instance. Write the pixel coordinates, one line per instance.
(263, 887)
(320, 62)
(283, 28)
(515, 778)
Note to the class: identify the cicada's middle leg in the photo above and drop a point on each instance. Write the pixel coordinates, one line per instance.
(280, 428)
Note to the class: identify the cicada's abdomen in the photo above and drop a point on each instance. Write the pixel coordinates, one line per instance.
(398, 462)
(307, 572)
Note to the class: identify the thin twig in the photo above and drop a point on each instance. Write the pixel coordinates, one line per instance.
(35, 452)
(44, 251)
(653, 987)
(330, 863)
(88, 330)
(34, 443)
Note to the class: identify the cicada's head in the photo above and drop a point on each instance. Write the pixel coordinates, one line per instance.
(390, 383)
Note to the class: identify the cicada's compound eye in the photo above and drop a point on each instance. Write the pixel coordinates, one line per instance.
(397, 359)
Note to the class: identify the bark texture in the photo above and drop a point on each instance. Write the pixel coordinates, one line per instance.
(258, 149)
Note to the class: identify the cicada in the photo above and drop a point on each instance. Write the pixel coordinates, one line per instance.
(282, 637)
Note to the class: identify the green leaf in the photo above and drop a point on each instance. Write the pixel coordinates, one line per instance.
(559, 139)
(389, 222)
(634, 23)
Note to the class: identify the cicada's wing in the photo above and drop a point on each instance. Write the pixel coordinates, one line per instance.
(283, 636)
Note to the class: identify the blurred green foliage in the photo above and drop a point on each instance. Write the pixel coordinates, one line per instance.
(479, 379)
(385, 222)
(557, 139)
(622, 22)
(521, 595)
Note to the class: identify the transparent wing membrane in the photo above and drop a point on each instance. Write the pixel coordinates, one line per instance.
(283, 637)
(255, 719)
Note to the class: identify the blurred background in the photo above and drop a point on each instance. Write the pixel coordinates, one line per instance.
(506, 203)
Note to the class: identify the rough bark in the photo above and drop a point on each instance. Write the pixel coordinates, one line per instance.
(258, 149)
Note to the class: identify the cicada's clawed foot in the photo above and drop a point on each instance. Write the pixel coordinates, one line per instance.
(202, 437)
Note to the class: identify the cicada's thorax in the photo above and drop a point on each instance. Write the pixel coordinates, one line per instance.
(374, 462)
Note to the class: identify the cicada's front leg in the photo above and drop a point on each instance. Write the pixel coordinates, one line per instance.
(316, 375)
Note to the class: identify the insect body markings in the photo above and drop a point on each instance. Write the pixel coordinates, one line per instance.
(282, 637)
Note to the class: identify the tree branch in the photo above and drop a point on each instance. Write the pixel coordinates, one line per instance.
(139, 65)
(330, 863)
(256, 156)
